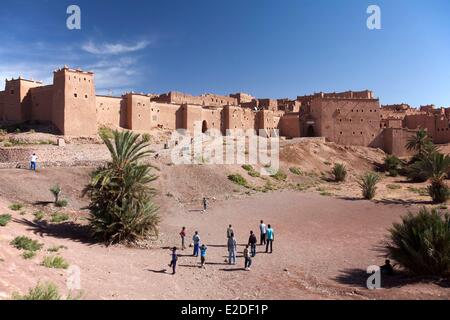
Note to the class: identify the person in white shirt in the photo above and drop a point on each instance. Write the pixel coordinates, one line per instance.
(263, 231)
(33, 162)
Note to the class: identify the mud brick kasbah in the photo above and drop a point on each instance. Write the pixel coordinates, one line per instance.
(347, 118)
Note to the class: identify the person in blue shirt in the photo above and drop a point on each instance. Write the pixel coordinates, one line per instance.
(173, 262)
(270, 237)
(203, 249)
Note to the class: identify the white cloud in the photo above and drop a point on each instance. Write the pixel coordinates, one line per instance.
(116, 73)
(114, 48)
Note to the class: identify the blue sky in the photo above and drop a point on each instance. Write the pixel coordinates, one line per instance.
(267, 48)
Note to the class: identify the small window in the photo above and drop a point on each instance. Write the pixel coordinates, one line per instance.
(75, 95)
(85, 96)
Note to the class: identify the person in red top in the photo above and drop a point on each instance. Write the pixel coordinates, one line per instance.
(183, 235)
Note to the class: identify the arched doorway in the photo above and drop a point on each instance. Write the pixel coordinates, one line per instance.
(204, 126)
(310, 132)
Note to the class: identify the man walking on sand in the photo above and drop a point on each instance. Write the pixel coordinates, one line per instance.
(270, 238)
(196, 239)
(33, 162)
(231, 249)
(183, 235)
(173, 262)
(252, 243)
(263, 230)
(248, 259)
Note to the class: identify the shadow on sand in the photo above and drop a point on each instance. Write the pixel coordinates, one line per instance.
(162, 271)
(407, 202)
(358, 278)
(65, 230)
(232, 269)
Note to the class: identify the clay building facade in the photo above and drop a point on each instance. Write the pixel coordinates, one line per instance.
(348, 118)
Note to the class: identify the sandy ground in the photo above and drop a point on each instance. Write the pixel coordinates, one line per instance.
(323, 245)
(326, 236)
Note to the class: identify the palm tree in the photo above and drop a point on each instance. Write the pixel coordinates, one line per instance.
(419, 142)
(436, 166)
(121, 197)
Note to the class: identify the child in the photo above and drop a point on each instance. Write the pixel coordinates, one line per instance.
(205, 204)
(248, 259)
(173, 262)
(203, 249)
(183, 235)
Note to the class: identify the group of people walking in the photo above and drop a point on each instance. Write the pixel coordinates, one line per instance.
(267, 237)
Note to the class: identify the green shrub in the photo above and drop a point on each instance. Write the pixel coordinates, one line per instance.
(55, 262)
(4, 219)
(16, 206)
(238, 179)
(247, 167)
(367, 183)
(296, 171)
(56, 248)
(7, 144)
(38, 215)
(56, 191)
(392, 164)
(254, 174)
(439, 191)
(59, 217)
(279, 175)
(339, 172)
(29, 254)
(421, 243)
(47, 291)
(25, 243)
(61, 203)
